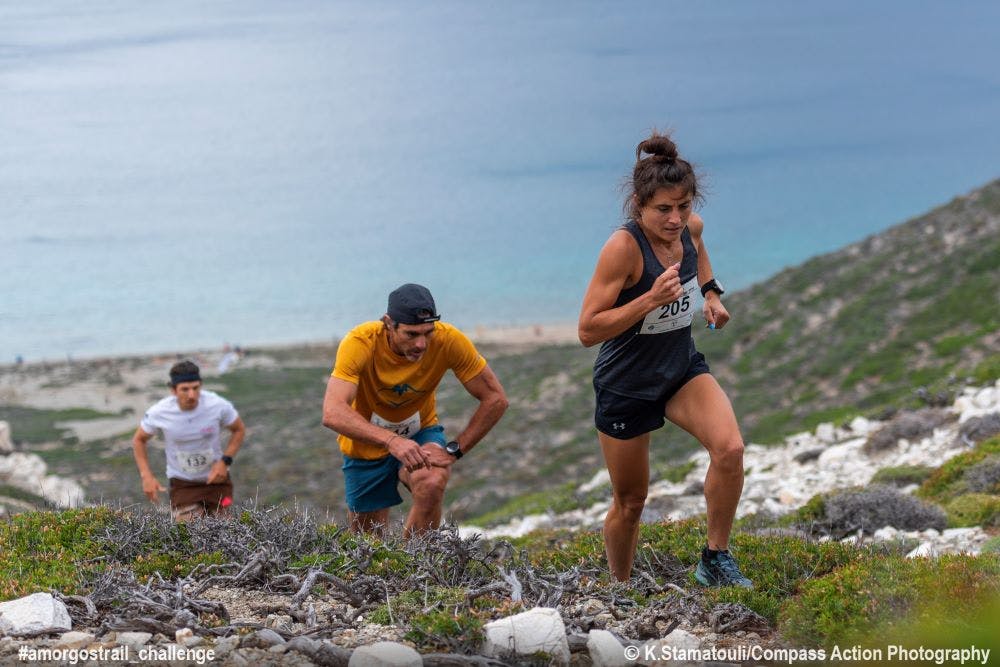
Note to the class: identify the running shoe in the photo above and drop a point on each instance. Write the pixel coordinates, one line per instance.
(721, 570)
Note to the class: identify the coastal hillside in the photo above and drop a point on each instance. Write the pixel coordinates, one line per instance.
(901, 319)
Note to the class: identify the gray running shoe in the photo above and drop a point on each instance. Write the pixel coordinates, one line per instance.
(722, 570)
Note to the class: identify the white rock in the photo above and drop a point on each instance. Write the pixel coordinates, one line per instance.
(225, 645)
(385, 654)
(826, 432)
(925, 550)
(930, 534)
(863, 426)
(134, 640)
(836, 455)
(38, 613)
(538, 630)
(74, 639)
(600, 478)
(678, 640)
(605, 649)
(961, 533)
(887, 533)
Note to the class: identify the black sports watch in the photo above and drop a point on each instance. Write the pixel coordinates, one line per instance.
(228, 460)
(453, 449)
(712, 285)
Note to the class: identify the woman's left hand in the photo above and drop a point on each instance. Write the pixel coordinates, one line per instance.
(715, 313)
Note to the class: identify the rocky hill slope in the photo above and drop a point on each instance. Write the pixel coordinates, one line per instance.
(899, 320)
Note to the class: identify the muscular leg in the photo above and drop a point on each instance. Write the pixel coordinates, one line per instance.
(369, 522)
(427, 487)
(628, 465)
(702, 409)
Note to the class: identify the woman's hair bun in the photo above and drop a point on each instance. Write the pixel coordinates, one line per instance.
(657, 144)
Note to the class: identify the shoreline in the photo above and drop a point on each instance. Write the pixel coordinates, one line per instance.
(517, 337)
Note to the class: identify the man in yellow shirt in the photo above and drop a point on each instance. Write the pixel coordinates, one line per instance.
(381, 401)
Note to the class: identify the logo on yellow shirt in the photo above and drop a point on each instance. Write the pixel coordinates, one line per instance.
(400, 391)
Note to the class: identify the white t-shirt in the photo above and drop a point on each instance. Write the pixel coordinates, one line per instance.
(193, 437)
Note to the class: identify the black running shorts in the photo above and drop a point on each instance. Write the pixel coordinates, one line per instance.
(624, 417)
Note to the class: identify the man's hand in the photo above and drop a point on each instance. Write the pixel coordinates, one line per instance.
(438, 457)
(408, 452)
(152, 487)
(219, 473)
(715, 313)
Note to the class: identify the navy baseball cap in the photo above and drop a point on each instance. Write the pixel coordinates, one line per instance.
(412, 304)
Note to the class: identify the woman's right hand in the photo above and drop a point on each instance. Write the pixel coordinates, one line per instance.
(667, 286)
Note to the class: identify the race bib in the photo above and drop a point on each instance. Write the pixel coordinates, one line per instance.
(195, 461)
(672, 316)
(406, 428)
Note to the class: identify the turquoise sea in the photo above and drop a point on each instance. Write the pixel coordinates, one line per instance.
(184, 174)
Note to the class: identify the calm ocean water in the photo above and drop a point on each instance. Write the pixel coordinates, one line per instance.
(177, 175)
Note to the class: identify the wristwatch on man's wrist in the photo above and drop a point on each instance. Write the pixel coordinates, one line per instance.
(454, 449)
(228, 460)
(712, 285)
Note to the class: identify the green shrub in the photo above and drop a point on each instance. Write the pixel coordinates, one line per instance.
(876, 506)
(902, 475)
(444, 630)
(992, 545)
(876, 596)
(973, 509)
(43, 550)
(171, 564)
(777, 565)
(947, 481)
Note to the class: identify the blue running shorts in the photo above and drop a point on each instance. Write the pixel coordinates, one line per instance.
(372, 485)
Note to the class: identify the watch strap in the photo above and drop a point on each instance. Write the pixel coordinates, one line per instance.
(711, 286)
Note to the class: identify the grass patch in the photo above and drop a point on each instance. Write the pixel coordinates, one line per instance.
(562, 498)
(879, 596)
(902, 475)
(46, 550)
(947, 482)
(35, 425)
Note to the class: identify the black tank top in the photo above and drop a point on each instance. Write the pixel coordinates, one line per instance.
(655, 352)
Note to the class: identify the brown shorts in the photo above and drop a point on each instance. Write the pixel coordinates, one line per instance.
(190, 500)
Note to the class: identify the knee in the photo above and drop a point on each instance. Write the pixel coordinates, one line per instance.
(728, 456)
(630, 506)
(428, 489)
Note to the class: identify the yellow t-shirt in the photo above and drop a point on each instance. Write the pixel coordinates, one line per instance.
(395, 393)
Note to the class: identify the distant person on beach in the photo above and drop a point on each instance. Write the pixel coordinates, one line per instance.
(381, 401)
(640, 305)
(190, 421)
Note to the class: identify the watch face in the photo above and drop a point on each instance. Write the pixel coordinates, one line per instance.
(720, 288)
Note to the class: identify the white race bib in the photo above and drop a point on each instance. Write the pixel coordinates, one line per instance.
(675, 315)
(195, 461)
(406, 428)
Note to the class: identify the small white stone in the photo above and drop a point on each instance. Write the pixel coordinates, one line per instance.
(884, 534)
(925, 550)
(605, 649)
(385, 654)
(34, 614)
(538, 630)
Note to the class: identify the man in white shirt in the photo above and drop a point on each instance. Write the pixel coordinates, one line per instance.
(190, 421)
